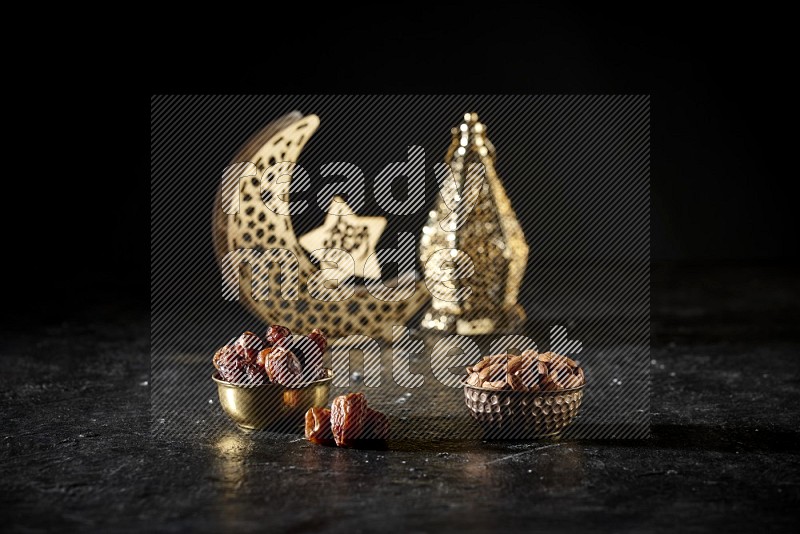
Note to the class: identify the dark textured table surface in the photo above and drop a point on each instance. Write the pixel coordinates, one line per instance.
(77, 453)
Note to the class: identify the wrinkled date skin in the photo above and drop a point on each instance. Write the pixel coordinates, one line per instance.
(238, 362)
(247, 346)
(318, 426)
(318, 337)
(312, 348)
(233, 372)
(262, 357)
(277, 333)
(230, 365)
(224, 356)
(256, 375)
(249, 360)
(283, 367)
(348, 413)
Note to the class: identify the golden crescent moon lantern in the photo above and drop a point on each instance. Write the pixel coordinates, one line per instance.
(256, 226)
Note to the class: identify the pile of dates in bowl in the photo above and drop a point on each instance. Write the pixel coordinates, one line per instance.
(279, 358)
(272, 382)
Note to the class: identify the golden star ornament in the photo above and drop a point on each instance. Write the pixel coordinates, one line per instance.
(343, 229)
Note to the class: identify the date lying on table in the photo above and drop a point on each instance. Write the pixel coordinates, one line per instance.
(318, 426)
(348, 422)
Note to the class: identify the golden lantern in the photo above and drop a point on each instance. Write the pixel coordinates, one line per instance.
(473, 220)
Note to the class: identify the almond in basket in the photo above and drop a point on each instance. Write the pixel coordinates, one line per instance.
(530, 371)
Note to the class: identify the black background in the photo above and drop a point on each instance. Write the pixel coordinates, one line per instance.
(78, 241)
(718, 122)
(587, 218)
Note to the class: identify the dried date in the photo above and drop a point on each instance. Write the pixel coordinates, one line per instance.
(261, 359)
(233, 371)
(318, 426)
(310, 356)
(348, 413)
(256, 375)
(319, 338)
(224, 356)
(283, 367)
(248, 346)
(277, 333)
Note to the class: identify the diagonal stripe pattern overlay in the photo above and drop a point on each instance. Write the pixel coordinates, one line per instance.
(577, 171)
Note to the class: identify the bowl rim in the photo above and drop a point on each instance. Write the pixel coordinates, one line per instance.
(215, 376)
(548, 392)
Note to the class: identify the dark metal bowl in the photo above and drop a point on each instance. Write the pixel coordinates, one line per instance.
(521, 414)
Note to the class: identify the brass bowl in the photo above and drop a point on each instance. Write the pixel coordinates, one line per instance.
(512, 414)
(272, 406)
